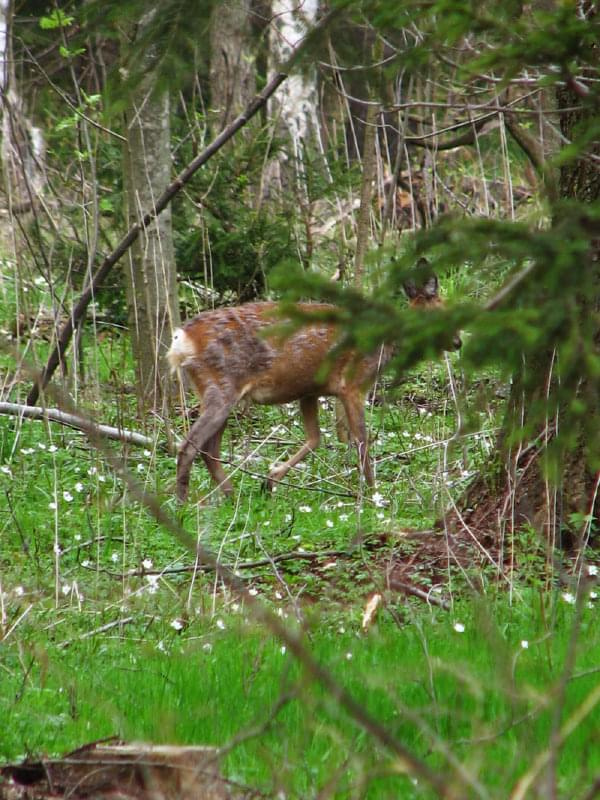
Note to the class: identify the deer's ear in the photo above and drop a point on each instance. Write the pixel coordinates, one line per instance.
(430, 287)
(423, 263)
(410, 289)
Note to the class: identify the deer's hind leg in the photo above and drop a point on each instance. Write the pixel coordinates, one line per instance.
(204, 437)
(309, 407)
(355, 411)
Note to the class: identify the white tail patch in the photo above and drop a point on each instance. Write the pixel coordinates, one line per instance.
(182, 347)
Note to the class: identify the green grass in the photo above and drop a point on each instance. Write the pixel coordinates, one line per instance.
(100, 634)
(479, 693)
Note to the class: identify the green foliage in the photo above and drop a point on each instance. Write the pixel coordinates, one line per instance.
(57, 19)
(234, 245)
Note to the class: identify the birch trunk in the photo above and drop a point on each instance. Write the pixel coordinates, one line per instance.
(23, 147)
(295, 106)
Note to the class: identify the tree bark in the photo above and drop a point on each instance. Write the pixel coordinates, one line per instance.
(23, 146)
(150, 276)
(232, 69)
(295, 107)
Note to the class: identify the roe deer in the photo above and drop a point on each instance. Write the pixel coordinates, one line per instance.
(228, 354)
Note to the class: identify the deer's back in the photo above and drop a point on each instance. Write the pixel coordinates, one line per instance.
(230, 349)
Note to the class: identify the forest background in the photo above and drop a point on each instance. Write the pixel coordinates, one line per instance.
(434, 637)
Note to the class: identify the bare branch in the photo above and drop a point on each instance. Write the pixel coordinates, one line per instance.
(75, 421)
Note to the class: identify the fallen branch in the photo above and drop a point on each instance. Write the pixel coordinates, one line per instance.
(66, 333)
(74, 421)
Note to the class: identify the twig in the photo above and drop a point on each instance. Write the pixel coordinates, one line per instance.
(509, 287)
(17, 622)
(426, 597)
(263, 562)
(101, 629)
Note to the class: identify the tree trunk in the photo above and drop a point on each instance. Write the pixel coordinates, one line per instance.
(150, 276)
(232, 69)
(23, 147)
(295, 107)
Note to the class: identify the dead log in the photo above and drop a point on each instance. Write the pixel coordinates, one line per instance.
(129, 771)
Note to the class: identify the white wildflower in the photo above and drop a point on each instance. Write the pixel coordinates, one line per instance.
(220, 624)
(568, 598)
(524, 644)
(305, 509)
(177, 624)
(147, 563)
(459, 627)
(68, 497)
(329, 523)
(592, 569)
(78, 487)
(378, 500)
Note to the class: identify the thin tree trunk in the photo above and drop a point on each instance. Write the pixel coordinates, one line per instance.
(150, 277)
(232, 68)
(23, 147)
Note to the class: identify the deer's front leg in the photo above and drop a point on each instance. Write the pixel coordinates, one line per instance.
(309, 407)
